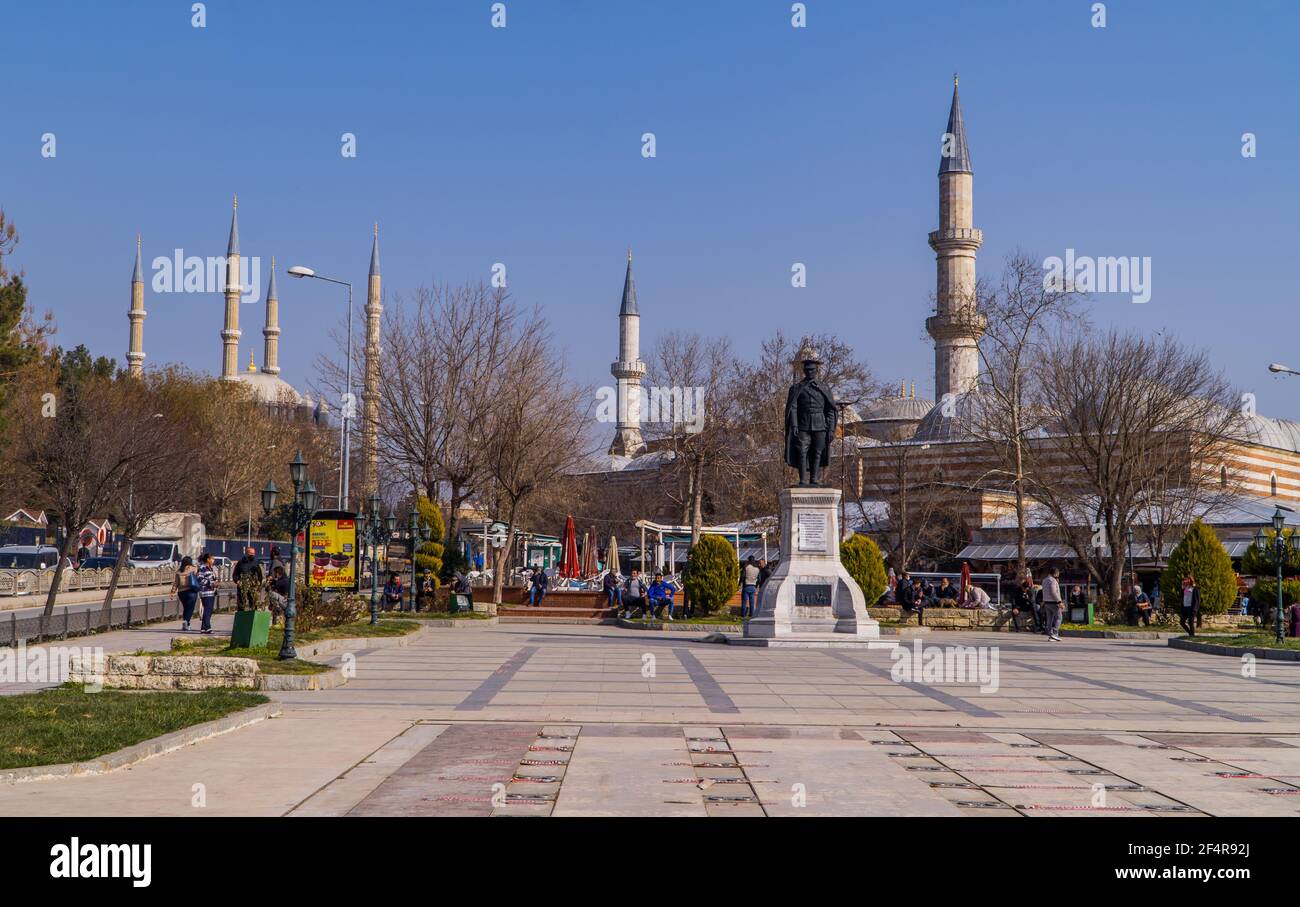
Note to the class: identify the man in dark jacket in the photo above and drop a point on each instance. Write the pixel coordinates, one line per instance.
(1191, 604)
(248, 578)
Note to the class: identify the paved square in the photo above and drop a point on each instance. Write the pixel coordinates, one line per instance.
(591, 720)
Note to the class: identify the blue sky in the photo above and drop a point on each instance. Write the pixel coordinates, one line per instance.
(775, 145)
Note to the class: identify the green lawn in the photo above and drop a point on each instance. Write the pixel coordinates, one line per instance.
(1258, 640)
(68, 724)
(443, 615)
(1125, 628)
(268, 656)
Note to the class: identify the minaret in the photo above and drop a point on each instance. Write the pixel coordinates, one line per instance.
(956, 325)
(135, 355)
(370, 425)
(230, 333)
(628, 370)
(271, 333)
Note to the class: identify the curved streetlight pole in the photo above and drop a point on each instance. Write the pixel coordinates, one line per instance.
(345, 434)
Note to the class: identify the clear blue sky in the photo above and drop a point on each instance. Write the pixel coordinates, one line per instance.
(775, 145)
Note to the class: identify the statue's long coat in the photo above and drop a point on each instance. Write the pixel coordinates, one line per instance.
(792, 427)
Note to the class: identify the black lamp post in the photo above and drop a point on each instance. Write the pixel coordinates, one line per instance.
(1129, 535)
(304, 503)
(416, 531)
(1277, 553)
(374, 533)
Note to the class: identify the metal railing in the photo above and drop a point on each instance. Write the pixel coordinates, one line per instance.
(85, 620)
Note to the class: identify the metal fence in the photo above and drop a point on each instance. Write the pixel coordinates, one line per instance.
(83, 620)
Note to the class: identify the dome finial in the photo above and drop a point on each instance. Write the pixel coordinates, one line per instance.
(251, 366)
(902, 388)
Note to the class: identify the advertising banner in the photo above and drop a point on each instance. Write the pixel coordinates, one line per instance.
(332, 550)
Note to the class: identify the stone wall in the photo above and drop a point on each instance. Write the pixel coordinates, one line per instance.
(163, 672)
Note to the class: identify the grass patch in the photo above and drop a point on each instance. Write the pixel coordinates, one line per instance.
(1124, 628)
(444, 615)
(67, 724)
(1261, 640)
(268, 656)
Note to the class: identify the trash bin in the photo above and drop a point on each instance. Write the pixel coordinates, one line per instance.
(460, 602)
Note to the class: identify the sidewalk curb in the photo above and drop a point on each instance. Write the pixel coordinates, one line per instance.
(459, 624)
(145, 749)
(1209, 648)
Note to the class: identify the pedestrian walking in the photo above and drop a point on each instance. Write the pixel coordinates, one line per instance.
(186, 586)
(749, 577)
(1053, 606)
(1191, 604)
(208, 585)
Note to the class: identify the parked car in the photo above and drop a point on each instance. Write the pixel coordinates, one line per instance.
(28, 557)
(97, 563)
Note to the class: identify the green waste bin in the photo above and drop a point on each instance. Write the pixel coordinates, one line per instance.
(461, 602)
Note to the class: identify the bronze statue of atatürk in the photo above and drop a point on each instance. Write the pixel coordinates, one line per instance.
(810, 416)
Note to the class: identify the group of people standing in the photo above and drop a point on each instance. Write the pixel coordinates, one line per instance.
(197, 584)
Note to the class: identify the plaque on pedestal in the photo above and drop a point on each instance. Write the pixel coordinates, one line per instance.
(810, 600)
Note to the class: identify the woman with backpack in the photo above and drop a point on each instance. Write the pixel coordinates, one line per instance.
(185, 585)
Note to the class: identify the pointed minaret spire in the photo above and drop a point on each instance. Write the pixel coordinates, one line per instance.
(956, 324)
(232, 247)
(135, 352)
(628, 370)
(629, 290)
(370, 393)
(956, 155)
(230, 332)
(271, 333)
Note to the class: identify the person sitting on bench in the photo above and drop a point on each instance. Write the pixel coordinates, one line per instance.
(634, 594)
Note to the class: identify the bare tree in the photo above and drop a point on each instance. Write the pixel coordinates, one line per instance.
(919, 507)
(536, 428)
(160, 431)
(1021, 311)
(690, 410)
(1131, 418)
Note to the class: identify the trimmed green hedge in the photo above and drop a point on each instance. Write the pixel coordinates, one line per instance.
(861, 557)
(712, 573)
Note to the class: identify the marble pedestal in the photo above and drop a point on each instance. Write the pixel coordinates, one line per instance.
(810, 600)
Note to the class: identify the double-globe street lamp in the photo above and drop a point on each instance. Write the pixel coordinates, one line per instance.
(373, 531)
(305, 499)
(1277, 553)
(416, 531)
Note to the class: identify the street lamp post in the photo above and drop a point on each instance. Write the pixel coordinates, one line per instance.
(304, 503)
(1277, 550)
(345, 435)
(373, 534)
(416, 531)
(1129, 537)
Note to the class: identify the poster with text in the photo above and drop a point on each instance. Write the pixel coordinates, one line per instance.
(332, 550)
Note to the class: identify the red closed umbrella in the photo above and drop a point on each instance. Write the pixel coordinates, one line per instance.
(569, 566)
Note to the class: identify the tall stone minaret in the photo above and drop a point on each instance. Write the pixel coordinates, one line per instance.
(271, 333)
(135, 354)
(230, 333)
(628, 370)
(370, 425)
(956, 325)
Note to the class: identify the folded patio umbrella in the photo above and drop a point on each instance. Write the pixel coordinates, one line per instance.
(569, 551)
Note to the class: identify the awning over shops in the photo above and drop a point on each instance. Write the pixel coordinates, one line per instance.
(1039, 551)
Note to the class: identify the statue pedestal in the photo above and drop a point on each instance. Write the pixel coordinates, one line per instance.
(810, 601)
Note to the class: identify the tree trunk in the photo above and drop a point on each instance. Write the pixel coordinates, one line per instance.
(122, 553)
(498, 581)
(697, 502)
(64, 553)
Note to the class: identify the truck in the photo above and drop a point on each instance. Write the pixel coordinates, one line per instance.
(166, 539)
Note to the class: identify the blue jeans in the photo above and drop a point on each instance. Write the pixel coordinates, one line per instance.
(209, 602)
(188, 597)
(614, 597)
(747, 595)
(535, 596)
